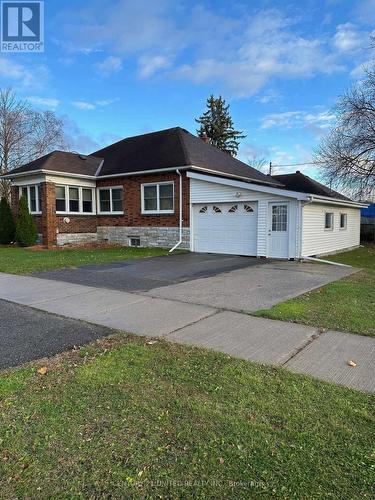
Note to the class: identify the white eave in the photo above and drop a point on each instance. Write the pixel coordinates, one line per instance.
(249, 185)
(314, 198)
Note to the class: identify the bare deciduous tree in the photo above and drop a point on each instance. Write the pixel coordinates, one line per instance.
(348, 152)
(259, 163)
(25, 134)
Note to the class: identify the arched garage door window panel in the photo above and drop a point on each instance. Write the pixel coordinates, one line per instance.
(203, 210)
(249, 209)
(233, 209)
(216, 209)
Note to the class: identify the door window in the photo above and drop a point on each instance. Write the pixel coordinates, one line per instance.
(279, 218)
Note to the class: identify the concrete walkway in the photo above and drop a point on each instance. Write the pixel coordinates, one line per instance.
(298, 348)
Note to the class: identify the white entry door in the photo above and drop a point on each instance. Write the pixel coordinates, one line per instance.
(226, 228)
(278, 230)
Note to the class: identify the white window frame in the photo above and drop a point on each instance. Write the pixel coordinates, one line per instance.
(157, 211)
(38, 210)
(80, 200)
(333, 221)
(343, 228)
(111, 212)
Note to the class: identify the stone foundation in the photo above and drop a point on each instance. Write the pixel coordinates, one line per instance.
(165, 237)
(76, 238)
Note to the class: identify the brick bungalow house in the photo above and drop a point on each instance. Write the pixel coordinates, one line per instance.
(170, 188)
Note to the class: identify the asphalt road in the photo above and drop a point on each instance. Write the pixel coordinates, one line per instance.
(27, 334)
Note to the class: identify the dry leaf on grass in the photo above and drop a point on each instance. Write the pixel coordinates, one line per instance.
(42, 370)
(352, 363)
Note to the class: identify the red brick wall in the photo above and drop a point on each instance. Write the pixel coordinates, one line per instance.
(132, 201)
(49, 223)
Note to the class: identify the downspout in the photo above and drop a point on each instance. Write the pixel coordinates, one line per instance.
(181, 219)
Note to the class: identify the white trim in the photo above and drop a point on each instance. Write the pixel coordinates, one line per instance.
(335, 201)
(234, 176)
(333, 221)
(67, 210)
(109, 188)
(250, 186)
(52, 172)
(343, 228)
(38, 210)
(157, 211)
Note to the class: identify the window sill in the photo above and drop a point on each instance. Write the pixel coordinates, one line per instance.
(328, 230)
(35, 213)
(343, 228)
(77, 214)
(155, 212)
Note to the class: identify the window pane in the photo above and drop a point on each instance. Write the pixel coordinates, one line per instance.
(60, 205)
(166, 196)
(24, 192)
(279, 218)
(60, 199)
(343, 220)
(32, 199)
(73, 199)
(116, 200)
(60, 192)
(104, 200)
(149, 194)
(87, 200)
(329, 220)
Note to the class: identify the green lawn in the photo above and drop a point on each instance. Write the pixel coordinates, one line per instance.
(346, 305)
(123, 419)
(22, 260)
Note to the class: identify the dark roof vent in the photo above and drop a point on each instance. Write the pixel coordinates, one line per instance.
(298, 171)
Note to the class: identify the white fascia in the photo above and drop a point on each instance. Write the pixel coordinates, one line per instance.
(250, 186)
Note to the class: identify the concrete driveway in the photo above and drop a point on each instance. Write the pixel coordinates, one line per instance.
(220, 281)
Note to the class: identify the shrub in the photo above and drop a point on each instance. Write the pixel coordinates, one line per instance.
(26, 232)
(7, 228)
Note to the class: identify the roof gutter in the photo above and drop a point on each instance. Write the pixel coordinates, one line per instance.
(335, 201)
(49, 172)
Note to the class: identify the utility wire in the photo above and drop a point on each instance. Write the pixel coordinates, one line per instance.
(297, 164)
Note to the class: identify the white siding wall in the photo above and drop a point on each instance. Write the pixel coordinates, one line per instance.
(317, 241)
(210, 192)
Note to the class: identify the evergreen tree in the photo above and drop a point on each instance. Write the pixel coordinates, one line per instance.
(26, 232)
(217, 125)
(7, 228)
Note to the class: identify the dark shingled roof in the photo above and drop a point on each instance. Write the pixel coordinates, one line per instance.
(62, 161)
(174, 147)
(304, 184)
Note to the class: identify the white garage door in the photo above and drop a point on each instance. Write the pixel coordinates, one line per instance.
(226, 228)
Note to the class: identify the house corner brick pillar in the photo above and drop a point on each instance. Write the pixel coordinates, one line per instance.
(14, 198)
(48, 214)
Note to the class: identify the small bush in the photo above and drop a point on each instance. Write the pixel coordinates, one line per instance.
(7, 227)
(26, 232)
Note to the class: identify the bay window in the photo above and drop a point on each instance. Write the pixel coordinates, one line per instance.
(74, 200)
(33, 196)
(158, 198)
(110, 200)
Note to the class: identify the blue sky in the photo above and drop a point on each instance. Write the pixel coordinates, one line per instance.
(121, 68)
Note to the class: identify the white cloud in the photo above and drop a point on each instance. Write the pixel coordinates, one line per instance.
(34, 77)
(109, 66)
(240, 54)
(315, 122)
(348, 38)
(44, 101)
(83, 105)
(89, 106)
(149, 65)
